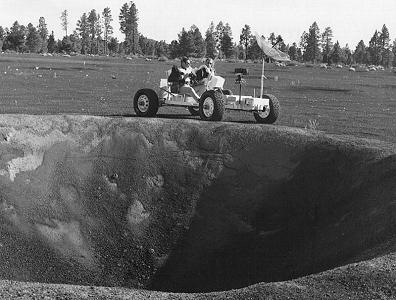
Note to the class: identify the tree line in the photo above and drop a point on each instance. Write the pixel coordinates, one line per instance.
(315, 46)
(93, 34)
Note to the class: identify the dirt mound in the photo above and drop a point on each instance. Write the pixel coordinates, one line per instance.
(187, 206)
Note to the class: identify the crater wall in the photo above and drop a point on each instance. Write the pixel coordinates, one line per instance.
(186, 206)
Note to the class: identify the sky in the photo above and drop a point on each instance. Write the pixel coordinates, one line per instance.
(350, 20)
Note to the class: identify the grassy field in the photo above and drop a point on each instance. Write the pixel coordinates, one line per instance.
(334, 100)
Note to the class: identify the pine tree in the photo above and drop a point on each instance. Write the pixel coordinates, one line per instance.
(312, 50)
(161, 49)
(174, 49)
(66, 45)
(124, 19)
(303, 41)
(58, 46)
(142, 44)
(375, 49)
(336, 54)
(227, 30)
(92, 21)
(327, 43)
(99, 32)
(51, 43)
(245, 39)
(134, 29)
(199, 44)
(218, 36)
(75, 42)
(83, 30)
(272, 38)
(43, 32)
(394, 53)
(383, 38)
(210, 42)
(2, 37)
(280, 44)
(147, 45)
(65, 20)
(108, 29)
(186, 43)
(113, 45)
(223, 36)
(387, 58)
(293, 51)
(367, 57)
(299, 55)
(33, 40)
(239, 52)
(227, 45)
(254, 50)
(129, 26)
(383, 41)
(347, 55)
(16, 37)
(360, 53)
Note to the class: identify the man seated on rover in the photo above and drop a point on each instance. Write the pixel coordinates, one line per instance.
(203, 74)
(182, 77)
(189, 81)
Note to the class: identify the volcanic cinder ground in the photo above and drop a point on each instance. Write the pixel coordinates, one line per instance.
(129, 208)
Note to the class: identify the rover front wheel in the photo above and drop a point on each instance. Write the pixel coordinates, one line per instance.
(145, 103)
(211, 106)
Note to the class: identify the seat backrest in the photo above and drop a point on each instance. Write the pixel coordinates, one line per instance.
(174, 87)
(202, 73)
(164, 83)
(174, 75)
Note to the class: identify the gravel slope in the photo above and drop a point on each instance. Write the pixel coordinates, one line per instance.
(174, 205)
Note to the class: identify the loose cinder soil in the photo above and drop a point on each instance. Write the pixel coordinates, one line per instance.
(104, 208)
(362, 104)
